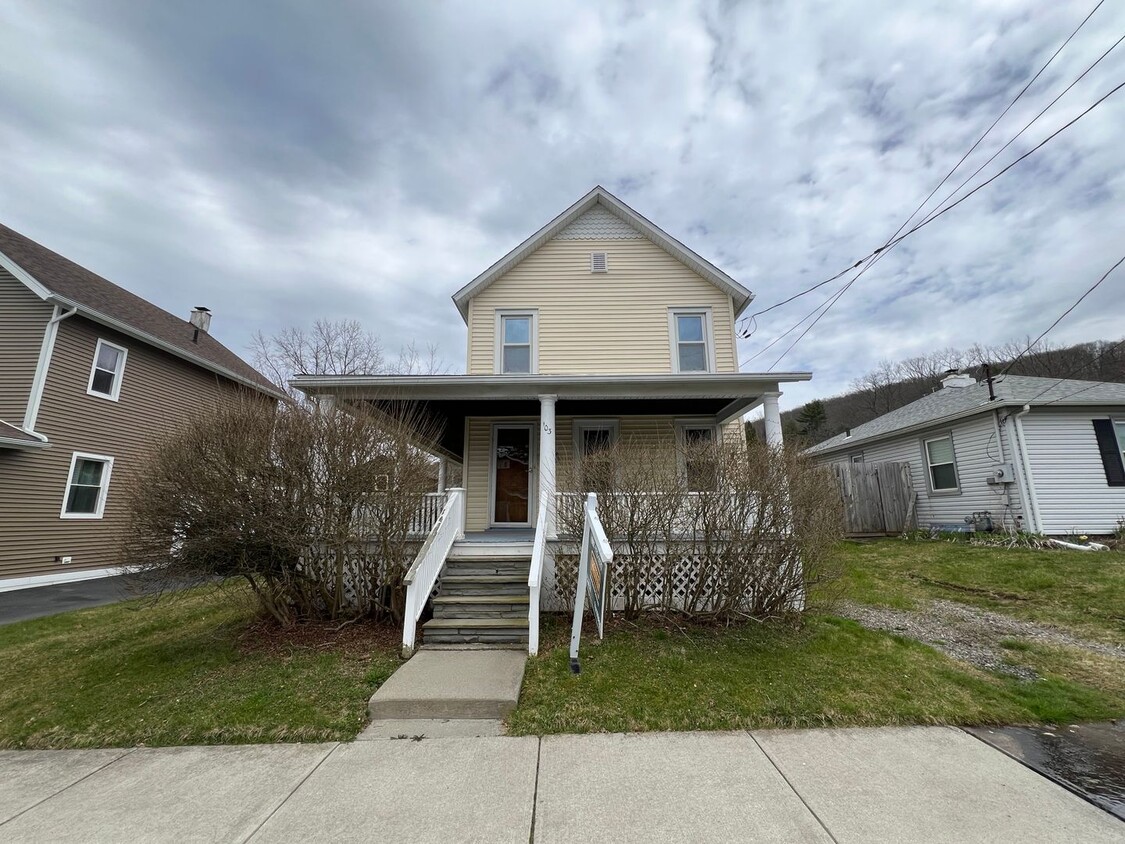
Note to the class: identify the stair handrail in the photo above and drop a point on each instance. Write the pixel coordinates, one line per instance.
(427, 566)
(534, 578)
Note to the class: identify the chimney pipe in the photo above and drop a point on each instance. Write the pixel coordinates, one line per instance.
(201, 319)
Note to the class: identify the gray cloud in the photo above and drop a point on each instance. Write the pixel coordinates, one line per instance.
(284, 161)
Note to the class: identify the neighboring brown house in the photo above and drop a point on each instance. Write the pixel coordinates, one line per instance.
(89, 375)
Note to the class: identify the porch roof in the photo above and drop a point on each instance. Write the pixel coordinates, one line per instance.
(448, 400)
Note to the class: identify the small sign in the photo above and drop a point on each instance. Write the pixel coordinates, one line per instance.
(593, 568)
(596, 587)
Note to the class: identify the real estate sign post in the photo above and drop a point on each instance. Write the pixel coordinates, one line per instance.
(593, 570)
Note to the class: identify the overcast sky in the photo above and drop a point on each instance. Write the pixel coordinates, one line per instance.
(282, 161)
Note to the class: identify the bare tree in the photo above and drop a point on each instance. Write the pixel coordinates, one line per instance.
(336, 347)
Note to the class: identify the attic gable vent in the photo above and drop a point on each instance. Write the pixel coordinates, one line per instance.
(599, 262)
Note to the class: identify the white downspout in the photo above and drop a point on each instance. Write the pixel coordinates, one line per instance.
(39, 382)
(1021, 448)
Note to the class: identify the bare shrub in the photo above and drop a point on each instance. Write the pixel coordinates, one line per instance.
(313, 508)
(710, 530)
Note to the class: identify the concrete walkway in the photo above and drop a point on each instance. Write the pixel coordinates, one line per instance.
(902, 784)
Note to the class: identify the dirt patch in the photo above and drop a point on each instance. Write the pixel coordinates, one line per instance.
(970, 634)
(359, 638)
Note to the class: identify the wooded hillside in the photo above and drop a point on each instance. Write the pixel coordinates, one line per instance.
(892, 385)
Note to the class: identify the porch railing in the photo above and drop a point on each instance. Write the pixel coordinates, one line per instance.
(535, 577)
(428, 512)
(569, 506)
(423, 574)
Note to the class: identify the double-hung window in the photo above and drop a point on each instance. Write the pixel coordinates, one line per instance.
(86, 486)
(942, 463)
(698, 458)
(515, 343)
(106, 372)
(691, 339)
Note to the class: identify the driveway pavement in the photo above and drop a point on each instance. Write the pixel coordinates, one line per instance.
(900, 784)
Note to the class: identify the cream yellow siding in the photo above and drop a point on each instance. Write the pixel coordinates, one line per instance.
(600, 323)
(639, 430)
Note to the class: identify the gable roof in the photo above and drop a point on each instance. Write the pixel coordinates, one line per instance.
(61, 281)
(599, 196)
(949, 403)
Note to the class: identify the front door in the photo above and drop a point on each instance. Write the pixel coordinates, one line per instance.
(512, 490)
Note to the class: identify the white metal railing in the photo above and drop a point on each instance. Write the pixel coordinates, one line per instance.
(569, 505)
(535, 577)
(423, 574)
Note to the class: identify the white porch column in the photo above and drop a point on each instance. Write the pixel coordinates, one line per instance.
(547, 459)
(441, 475)
(774, 438)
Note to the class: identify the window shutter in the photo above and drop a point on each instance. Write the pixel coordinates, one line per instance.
(1110, 451)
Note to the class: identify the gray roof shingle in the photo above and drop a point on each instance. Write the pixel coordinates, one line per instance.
(957, 401)
(91, 292)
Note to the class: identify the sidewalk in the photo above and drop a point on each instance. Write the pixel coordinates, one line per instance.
(900, 784)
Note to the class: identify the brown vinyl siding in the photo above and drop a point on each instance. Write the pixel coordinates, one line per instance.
(158, 391)
(599, 323)
(23, 319)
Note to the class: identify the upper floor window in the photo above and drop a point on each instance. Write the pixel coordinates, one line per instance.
(515, 342)
(692, 349)
(86, 486)
(942, 464)
(105, 374)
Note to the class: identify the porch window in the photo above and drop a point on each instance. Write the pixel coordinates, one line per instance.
(593, 440)
(515, 352)
(697, 443)
(691, 340)
(942, 464)
(86, 486)
(106, 372)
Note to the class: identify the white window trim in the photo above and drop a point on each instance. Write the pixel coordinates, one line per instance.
(955, 490)
(498, 350)
(102, 495)
(118, 377)
(682, 427)
(580, 425)
(708, 335)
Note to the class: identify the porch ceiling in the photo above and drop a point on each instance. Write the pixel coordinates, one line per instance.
(447, 400)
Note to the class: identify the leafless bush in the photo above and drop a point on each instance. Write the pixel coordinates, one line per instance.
(710, 530)
(312, 508)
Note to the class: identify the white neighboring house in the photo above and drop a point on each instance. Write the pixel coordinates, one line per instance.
(1043, 454)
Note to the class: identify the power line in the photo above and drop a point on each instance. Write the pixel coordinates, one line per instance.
(1079, 368)
(1062, 316)
(750, 319)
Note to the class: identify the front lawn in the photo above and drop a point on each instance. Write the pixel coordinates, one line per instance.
(194, 668)
(1079, 590)
(831, 672)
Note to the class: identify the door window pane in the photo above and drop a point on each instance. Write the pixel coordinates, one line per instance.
(513, 479)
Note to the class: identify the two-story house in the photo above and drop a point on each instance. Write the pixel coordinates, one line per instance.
(89, 375)
(599, 327)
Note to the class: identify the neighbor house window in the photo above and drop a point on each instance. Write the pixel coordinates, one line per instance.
(943, 468)
(515, 346)
(86, 486)
(857, 458)
(697, 455)
(105, 374)
(691, 340)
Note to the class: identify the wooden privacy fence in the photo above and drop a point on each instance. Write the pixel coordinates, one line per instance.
(878, 497)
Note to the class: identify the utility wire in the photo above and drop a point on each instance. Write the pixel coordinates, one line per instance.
(750, 319)
(1094, 360)
(1061, 317)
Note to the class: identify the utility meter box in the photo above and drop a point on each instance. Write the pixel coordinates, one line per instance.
(1002, 473)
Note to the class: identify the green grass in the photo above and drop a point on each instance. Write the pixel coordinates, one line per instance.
(830, 672)
(187, 670)
(1078, 590)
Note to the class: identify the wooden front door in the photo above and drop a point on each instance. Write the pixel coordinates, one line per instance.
(512, 489)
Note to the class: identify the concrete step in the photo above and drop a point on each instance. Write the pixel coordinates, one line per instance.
(481, 606)
(491, 639)
(458, 684)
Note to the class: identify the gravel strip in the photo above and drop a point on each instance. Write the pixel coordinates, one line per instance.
(970, 634)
